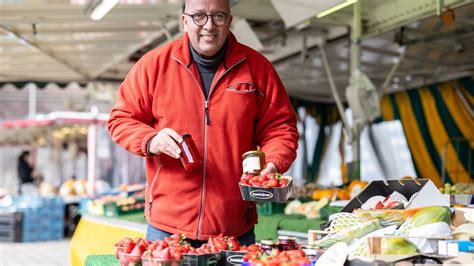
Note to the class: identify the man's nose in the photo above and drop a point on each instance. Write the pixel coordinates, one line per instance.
(209, 23)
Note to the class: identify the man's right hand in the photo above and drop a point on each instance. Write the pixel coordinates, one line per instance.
(165, 142)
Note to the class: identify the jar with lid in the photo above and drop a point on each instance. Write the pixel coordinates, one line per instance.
(253, 162)
(190, 157)
(287, 243)
(268, 245)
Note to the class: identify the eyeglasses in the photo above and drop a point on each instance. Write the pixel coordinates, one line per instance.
(200, 19)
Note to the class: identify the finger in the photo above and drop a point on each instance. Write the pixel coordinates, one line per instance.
(169, 146)
(174, 135)
(172, 145)
(269, 168)
(265, 171)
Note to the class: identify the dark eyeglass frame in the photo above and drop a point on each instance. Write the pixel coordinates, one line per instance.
(213, 16)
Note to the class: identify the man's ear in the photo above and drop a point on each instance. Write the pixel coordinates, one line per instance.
(184, 22)
(230, 19)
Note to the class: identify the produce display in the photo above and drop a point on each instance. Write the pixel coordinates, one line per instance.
(309, 209)
(176, 250)
(459, 188)
(384, 222)
(115, 205)
(315, 192)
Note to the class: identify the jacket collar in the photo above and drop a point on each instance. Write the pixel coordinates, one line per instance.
(232, 56)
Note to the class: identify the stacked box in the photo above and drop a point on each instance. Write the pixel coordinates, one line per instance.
(42, 218)
(45, 222)
(10, 227)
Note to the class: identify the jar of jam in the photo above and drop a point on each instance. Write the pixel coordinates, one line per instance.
(190, 157)
(253, 162)
(267, 246)
(287, 243)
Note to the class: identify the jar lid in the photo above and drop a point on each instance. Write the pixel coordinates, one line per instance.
(267, 242)
(257, 153)
(288, 238)
(185, 136)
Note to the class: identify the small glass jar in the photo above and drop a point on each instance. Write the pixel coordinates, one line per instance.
(253, 162)
(190, 157)
(268, 245)
(287, 243)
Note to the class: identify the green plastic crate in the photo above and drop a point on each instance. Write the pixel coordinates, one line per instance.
(269, 208)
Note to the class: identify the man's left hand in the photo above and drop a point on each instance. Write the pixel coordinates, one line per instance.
(269, 168)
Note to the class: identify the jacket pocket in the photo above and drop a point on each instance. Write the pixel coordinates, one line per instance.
(242, 87)
(152, 186)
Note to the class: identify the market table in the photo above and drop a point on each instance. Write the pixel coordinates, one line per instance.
(97, 235)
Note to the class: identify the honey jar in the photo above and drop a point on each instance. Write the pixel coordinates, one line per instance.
(253, 162)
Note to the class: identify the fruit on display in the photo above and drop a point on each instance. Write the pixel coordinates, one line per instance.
(251, 248)
(425, 216)
(171, 249)
(309, 209)
(348, 235)
(397, 246)
(286, 257)
(386, 217)
(355, 187)
(271, 180)
(331, 193)
(72, 187)
(459, 188)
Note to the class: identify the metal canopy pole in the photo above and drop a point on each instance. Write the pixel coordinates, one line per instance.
(356, 34)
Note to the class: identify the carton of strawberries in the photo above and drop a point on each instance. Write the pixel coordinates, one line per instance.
(176, 250)
(273, 187)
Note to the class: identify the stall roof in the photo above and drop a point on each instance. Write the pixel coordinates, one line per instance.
(55, 40)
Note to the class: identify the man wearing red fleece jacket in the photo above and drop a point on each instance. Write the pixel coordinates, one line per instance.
(230, 99)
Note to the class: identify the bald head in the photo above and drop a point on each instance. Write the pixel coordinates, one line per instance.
(225, 2)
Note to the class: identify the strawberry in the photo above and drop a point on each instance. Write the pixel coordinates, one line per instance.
(137, 251)
(129, 247)
(283, 182)
(163, 254)
(270, 175)
(233, 243)
(270, 183)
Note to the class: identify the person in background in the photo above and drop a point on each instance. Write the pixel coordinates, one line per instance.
(230, 99)
(25, 173)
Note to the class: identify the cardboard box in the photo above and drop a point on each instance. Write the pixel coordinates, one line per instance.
(427, 193)
(229, 258)
(203, 259)
(314, 235)
(262, 194)
(448, 248)
(459, 199)
(441, 245)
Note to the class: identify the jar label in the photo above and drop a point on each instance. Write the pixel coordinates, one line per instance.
(251, 164)
(187, 153)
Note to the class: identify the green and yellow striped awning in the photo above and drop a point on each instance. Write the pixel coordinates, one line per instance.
(438, 123)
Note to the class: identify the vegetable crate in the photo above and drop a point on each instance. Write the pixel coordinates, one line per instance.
(111, 209)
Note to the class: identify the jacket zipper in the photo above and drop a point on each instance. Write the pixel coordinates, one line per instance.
(207, 121)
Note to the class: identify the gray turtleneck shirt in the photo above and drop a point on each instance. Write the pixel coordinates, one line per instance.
(207, 67)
